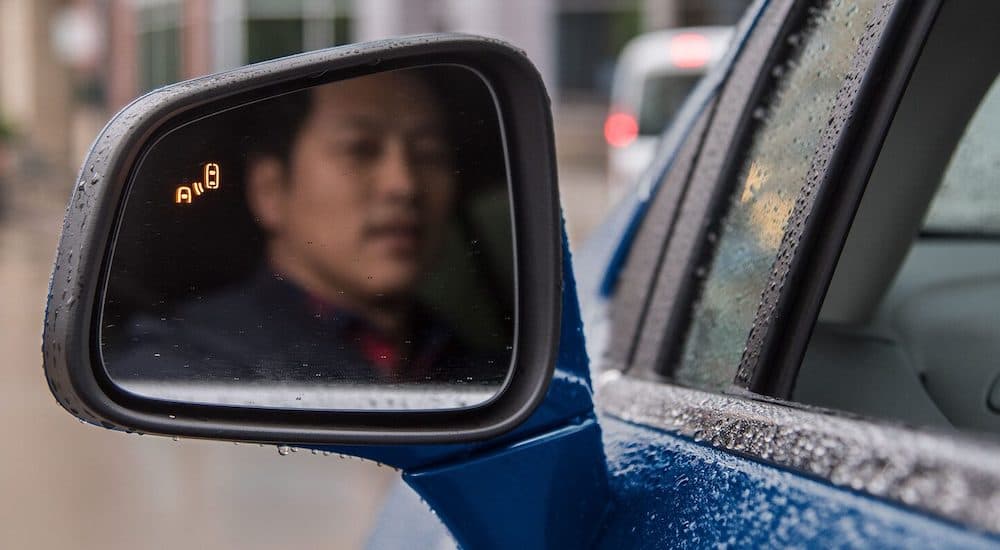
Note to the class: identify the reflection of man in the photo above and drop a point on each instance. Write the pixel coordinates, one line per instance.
(357, 208)
(353, 185)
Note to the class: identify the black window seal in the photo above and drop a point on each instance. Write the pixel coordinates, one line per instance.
(786, 315)
(631, 277)
(678, 283)
(631, 305)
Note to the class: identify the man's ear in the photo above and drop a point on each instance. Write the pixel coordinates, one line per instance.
(266, 189)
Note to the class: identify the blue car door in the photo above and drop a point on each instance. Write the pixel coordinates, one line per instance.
(721, 362)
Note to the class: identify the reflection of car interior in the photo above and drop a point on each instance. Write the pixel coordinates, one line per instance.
(169, 253)
(910, 327)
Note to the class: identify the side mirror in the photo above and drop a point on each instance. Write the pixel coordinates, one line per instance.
(355, 245)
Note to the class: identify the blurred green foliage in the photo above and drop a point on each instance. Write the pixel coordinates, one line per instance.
(7, 131)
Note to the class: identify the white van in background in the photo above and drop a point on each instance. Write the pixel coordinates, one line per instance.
(654, 74)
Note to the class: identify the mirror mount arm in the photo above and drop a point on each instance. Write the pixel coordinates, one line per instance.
(562, 435)
(475, 499)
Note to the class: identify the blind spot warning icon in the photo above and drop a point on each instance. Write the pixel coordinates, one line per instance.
(212, 176)
(183, 195)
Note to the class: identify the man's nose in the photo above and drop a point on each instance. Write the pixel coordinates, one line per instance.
(396, 171)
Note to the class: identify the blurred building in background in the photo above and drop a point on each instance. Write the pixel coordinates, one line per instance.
(69, 64)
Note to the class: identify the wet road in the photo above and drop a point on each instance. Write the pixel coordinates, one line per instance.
(69, 485)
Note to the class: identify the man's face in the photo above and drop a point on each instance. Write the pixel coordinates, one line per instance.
(361, 206)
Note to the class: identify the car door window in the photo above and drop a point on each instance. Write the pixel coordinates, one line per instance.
(924, 349)
(773, 173)
(662, 96)
(968, 202)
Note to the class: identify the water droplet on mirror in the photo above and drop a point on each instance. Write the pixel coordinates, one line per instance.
(283, 450)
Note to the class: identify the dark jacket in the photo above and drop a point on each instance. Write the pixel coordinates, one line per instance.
(269, 329)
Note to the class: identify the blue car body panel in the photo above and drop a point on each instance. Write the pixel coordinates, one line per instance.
(547, 492)
(571, 478)
(668, 491)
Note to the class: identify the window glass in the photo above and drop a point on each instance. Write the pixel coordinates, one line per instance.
(587, 44)
(662, 96)
(276, 28)
(772, 175)
(343, 30)
(272, 38)
(159, 45)
(910, 328)
(968, 201)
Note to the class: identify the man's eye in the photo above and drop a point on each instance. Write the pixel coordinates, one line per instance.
(363, 149)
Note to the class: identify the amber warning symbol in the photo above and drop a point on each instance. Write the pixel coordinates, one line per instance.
(212, 180)
(211, 176)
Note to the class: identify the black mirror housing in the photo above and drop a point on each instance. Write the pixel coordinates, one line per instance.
(71, 347)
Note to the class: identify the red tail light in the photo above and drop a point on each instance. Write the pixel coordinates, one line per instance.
(689, 50)
(620, 129)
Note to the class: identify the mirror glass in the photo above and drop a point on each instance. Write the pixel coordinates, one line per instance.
(346, 246)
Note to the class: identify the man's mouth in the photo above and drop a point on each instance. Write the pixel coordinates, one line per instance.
(398, 235)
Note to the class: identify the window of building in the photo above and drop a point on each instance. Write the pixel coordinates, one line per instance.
(159, 44)
(276, 28)
(588, 43)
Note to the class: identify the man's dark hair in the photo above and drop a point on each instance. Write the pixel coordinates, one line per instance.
(272, 126)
